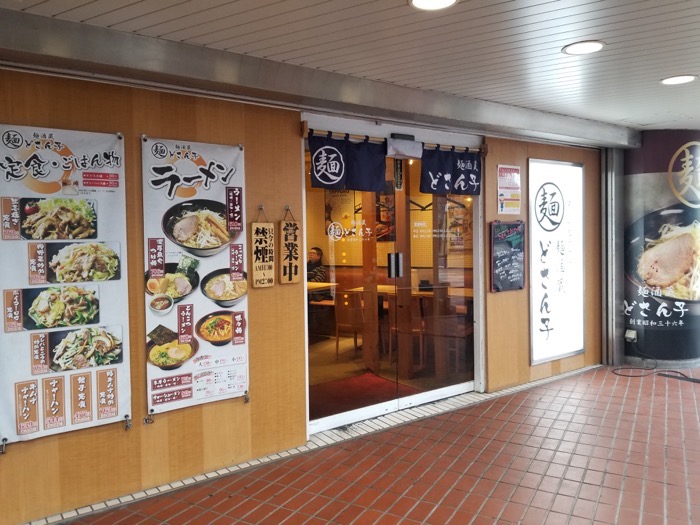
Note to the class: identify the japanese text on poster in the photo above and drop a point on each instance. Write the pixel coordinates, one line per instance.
(65, 304)
(196, 283)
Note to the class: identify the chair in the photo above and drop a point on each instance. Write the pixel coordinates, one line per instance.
(348, 316)
(417, 327)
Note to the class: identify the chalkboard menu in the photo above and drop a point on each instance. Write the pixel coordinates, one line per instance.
(507, 256)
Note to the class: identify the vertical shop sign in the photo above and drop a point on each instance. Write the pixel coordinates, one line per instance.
(62, 198)
(263, 235)
(556, 259)
(193, 201)
(290, 259)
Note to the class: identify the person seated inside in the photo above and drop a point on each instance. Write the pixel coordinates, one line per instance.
(316, 273)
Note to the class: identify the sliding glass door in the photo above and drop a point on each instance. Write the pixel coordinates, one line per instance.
(393, 318)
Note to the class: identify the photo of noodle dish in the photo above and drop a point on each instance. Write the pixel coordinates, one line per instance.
(176, 282)
(671, 261)
(80, 262)
(198, 226)
(58, 219)
(87, 347)
(63, 306)
(216, 328)
(219, 287)
(166, 352)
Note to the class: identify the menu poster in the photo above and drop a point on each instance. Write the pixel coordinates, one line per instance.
(507, 256)
(556, 262)
(196, 282)
(63, 281)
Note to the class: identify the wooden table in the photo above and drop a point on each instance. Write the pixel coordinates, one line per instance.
(388, 289)
(320, 287)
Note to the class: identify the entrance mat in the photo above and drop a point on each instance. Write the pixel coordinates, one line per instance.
(343, 395)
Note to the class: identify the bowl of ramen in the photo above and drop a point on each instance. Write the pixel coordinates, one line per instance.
(171, 354)
(161, 304)
(198, 226)
(663, 255)
(175, 283)
(219, 287)
(215, 328)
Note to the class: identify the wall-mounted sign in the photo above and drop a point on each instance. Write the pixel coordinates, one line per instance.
(509, 191)
(290, 249)
(263, 254)
(64, 345)
(556, 259)
(196, 283)
(507, 256)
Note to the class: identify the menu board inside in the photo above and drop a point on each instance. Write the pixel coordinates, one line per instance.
(196, 279)
(64, 349)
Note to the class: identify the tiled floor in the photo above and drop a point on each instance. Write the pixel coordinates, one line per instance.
(592, 448)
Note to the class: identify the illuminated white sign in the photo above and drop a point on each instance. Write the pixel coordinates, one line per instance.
(556, 259)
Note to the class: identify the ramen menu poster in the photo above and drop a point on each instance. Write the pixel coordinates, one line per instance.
(195, 277)
(64, 348)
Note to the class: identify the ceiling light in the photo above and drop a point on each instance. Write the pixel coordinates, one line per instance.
(583, 48)
(432, 5)
(680, 79)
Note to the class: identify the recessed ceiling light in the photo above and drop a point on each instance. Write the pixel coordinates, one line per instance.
(680, 79)
(583, 48)
(432, 5)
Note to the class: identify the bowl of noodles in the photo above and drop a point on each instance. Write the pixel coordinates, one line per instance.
(198, 226)
(219, 287)
(662, 255)
(216, 328)
(174, 283)
(172, 354)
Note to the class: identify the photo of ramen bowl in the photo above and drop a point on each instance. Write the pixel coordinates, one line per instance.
(219, 287)
(161, 304)
(662, 255)
(176, 284)
(198, 226)
(216, 328)
(171, 355)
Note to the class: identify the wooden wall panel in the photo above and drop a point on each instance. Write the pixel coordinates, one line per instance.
(507, 313)
(58, 473)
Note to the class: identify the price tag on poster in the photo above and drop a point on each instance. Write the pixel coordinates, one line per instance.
(263, 256)
(62, 196)
(193, 201)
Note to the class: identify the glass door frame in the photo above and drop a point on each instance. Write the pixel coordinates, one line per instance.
(354, 126)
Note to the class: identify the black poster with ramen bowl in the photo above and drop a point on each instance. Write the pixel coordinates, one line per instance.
(662, 246)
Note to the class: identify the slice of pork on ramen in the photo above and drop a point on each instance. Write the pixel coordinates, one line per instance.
(664, 264)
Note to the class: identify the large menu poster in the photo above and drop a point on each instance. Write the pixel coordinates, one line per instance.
(64, 348)
(196, 280)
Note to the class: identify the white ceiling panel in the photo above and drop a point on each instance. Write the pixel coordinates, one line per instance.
(504, 51)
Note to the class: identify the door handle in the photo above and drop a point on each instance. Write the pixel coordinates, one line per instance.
(394, 265)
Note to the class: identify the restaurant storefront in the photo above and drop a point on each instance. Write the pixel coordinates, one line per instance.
(431, 328)
(394, 323)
